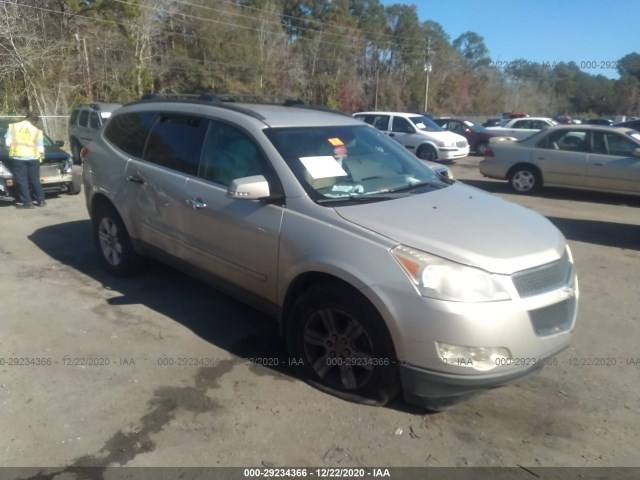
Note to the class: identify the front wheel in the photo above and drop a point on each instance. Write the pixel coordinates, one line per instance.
(115, 251)
(524, 179)
(344, 344)
(427, 152)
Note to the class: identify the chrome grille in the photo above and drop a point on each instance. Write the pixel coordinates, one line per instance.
(461, 144)
(544, 278)
(555, 318)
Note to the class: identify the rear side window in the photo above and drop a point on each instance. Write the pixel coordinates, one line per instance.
(84, 118)
(74, 117)
(129, 132)
(175, 142)
(94, 121)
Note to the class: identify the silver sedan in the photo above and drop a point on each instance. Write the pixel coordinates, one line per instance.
(589, 157)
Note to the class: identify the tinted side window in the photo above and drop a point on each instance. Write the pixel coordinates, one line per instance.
(94, 121)
(129, 132)
(175, 141)
(402, 125)
(229, 153)
(84, 118)
(74, 117)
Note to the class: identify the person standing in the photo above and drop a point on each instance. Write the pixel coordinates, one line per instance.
(26, 150)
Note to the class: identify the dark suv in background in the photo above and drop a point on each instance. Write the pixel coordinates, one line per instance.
(85, 122)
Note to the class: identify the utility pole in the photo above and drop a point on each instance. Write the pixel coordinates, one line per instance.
(82, 49)
(427, 69)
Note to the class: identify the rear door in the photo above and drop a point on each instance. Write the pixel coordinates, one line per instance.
(612, 165)
(156, 181)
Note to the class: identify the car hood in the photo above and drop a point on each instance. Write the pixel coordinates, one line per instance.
(466, 225)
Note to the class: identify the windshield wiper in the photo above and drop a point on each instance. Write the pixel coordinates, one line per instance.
(357, 199)
(414, 185)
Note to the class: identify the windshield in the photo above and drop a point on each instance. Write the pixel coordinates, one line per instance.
(351, 163)
(425, 124)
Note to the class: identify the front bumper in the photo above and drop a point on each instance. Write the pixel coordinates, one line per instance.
(449, 153)
(441, 391)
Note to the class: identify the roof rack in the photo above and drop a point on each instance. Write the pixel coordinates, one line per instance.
(227, 100)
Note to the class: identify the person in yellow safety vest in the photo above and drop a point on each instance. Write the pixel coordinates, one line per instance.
(26, 151)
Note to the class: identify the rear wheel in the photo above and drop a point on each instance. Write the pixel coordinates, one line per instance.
(481, 149)
(427, 152)
(75, 152)
(76, 184)
(115, 251)
(344, 344)
(525, 179)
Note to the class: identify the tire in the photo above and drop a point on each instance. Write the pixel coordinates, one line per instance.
(481, 149)
(76, 184)
(75, 152)
(344, 344)
(113, 244)
(524, 179)
(427, 152)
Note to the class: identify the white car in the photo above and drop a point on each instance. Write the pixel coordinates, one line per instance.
(419, 134)
(521, 128)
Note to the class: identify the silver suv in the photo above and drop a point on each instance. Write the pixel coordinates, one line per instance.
(84, 123)
(381, 274)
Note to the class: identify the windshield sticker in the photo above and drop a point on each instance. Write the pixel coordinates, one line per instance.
(323, 167)
(336, 142)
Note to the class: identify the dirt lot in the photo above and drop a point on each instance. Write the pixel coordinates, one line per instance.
(134, 408)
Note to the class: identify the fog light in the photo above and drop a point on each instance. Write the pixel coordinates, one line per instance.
(482, 359)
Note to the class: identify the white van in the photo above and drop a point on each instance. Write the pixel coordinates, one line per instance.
(419, 134)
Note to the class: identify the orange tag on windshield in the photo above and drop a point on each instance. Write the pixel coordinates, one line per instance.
(336, 142)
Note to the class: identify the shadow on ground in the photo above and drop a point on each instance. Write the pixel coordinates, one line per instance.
(213, 316)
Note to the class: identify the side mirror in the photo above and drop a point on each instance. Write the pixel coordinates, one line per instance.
(59, 143)
(636, 152)
(255, 187)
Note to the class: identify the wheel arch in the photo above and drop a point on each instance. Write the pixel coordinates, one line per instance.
(307, 280)
(529, 165)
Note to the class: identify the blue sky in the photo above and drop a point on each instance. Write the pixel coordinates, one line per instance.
(588, 32)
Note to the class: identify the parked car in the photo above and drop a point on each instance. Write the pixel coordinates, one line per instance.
(523, 127)
(419, 134)
(635, 124)
(492, 122)
(477, 136)
(85, 122)
(578, 156)
(381, 274)
(598, 121)
(56, 171)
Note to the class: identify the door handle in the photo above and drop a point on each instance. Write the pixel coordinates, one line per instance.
(135, 179)
(196, 203)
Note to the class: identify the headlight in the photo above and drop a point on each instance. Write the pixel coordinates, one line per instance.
(68, 167)
(4, 171)
(436, 277)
